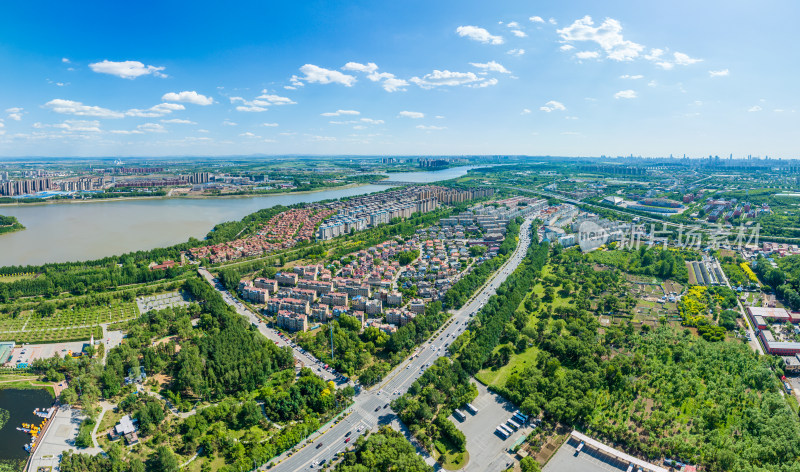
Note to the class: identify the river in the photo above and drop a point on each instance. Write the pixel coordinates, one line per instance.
(20, 405)
(77, 231)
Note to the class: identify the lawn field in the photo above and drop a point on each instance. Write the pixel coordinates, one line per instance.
(518, 363)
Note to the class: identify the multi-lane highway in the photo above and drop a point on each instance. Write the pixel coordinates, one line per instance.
(371, 407)
(303, 357)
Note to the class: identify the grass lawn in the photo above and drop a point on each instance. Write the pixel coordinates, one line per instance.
(13, 278)
(518, 362)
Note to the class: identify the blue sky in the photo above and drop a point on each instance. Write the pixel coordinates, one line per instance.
(414, 77)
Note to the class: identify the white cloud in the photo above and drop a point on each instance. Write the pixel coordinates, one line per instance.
(553, 105)
(158, 110)
(14, 113)
(525, 111)
(320, 75)
(70, 107)
(179, 121)
(270, 125)
(275, 99)
(479, 34)
(518, 33)
(754, 108)
(65, 60)
(323, 138)
(390, 82)
(552, 21)
(566, 47)
(126, 131)
(357, 67)
(411, 114)
(359, 127)
(248, 134)
(371, 121)
(229, 123)
(631, 77)
(439, 117)
(152, 128)
(251, 108)
(73, 126)
(341, 112)
(446, 78)
(126, 69)
(587, 55)
(491, 66)
(665, 65)
(608, 36)
(719, 73)
(431, 127)
(187, 97)
(516, 52)
(625, 94)
(536, 19)
(484, 83)
(684, 60)
(512, 24)
(652, 83)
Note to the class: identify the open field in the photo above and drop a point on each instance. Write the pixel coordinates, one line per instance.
(65, 325)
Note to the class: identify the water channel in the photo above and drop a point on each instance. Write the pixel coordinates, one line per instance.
(60, 232)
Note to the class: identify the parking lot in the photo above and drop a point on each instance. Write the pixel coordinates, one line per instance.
(30, 352)
(488, 452)
(163, 300)
(567, 459)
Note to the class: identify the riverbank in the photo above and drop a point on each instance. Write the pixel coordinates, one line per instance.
(176, 197)
(9, 224)
(29, 383)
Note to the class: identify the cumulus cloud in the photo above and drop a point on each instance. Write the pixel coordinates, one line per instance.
(608, 36)
(320, 75)
(269, 125)
(631, 77)
(70, 107)
(65, 60)
(371, 121)
(587, 55)
(179, 121)
(411, 114)
(126, 131)
(684, 60)
(431, 127)
(341, 112)
(525, 111)
(566, 47)
(248, 134)
(491, 66)
(439, 78)
(518, 33)
(754, 109)
(187, 97)
(14, 113)
(536, 19)
(152, 128)
(625, 94)
(479, 34)
(516, 52)
(719, 73)
(553, 105)
(126, 69)
(390, 82)
(158, 110)
(275, 99)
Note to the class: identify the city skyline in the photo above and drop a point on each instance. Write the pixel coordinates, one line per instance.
(449, 78)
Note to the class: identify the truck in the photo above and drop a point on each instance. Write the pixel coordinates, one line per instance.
(471, 408)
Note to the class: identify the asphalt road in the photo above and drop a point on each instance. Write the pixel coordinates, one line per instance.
(303, 357)
(371, 407)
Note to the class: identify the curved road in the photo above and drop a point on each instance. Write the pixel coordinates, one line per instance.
(371, 407)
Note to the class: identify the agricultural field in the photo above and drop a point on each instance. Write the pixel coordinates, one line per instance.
(64, 325)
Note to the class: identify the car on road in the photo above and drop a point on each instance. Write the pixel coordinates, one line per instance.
(347, 440)
(377, 408)
(348, 433)
(319, 445)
